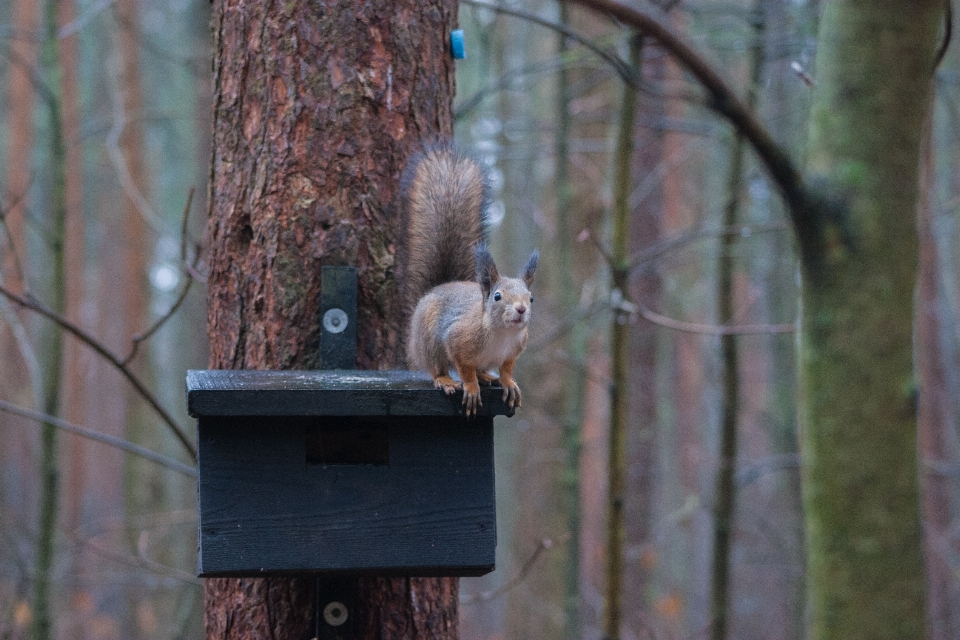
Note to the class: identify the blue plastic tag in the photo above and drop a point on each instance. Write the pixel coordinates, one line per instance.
(457, 46)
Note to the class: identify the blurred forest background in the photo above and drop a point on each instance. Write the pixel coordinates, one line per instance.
(104, 164)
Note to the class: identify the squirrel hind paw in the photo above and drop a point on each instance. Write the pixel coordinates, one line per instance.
(448, 384)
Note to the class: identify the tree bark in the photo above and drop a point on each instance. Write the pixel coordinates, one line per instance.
(318, 107)
(933, 415)
(859, 437)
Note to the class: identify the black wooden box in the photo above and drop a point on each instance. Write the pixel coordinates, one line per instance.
(354, 472)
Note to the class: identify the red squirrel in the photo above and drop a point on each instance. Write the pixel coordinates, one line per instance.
(467, 316)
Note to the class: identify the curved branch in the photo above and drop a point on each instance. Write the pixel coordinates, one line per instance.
(189, 268)
(92, 342)
(714, 330)
(800, 199)
(623, 69)
(104, 438)
(484, 596)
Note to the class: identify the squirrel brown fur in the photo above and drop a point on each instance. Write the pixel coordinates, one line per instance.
(467, 316)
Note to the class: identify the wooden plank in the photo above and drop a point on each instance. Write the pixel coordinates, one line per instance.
(327, 393)
(265, 511)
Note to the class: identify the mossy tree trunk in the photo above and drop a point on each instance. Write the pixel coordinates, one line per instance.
(42, 625)
(317, 108)
(859, 436)
(619, 390)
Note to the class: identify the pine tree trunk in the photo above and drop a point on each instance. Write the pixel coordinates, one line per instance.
(317, 108)
(859, 438)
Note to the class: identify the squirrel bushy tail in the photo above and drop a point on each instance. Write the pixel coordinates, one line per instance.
(467, 315)
(446, 203)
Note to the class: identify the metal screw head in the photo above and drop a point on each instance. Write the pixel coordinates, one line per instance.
(335, 320)
(335, 613)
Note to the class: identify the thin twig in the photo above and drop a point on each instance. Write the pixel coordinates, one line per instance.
(586, 236)
(81, 21)
(39, 85)
(723, 100)
(103, 438)
(11, 243)
(620, 66)
(25, 347)
(581, 312)
(653, 253)
(510, 79)
(485, 596)
(100, 349)
(138, 563)
(115, 153)
(713, 330)
(140, 337)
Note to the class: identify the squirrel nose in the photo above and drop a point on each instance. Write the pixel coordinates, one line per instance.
(521, 308)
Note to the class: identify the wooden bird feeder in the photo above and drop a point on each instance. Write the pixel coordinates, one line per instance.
(352, 472)
(340, 471)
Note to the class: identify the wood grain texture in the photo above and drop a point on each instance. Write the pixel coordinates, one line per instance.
(317, 107)
(328, 393)
(428, 511)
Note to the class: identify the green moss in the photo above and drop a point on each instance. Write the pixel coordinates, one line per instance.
(861, 494)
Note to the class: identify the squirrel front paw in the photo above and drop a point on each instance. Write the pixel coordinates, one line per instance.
(448, 384)
(471, 399)
(511, 394)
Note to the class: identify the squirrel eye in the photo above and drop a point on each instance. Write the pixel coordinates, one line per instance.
(531, 298)
(497, 296)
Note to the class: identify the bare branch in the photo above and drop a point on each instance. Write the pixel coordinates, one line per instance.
(35, 78)
(76, 25)
(619, 65)
(139, 563)
(105, 353)
(11, 243)
(713, 330)
(484, 596)
(800, 199)
(581, 312)
(90, 434)
(189, 270)
(654, 252)
(586, 236)
(120, 121)
(25, 347)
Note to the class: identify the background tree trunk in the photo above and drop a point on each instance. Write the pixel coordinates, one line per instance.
(317, 108)
(859, 439)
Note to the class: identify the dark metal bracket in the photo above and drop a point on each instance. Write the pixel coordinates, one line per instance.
(335, 608)
(338, 315)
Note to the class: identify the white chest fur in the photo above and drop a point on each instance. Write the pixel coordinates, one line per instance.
(501, 346)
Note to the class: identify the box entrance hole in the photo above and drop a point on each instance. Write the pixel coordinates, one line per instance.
(347, 441)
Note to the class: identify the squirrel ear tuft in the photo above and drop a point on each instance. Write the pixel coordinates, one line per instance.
(487, 274)
(527, 274)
